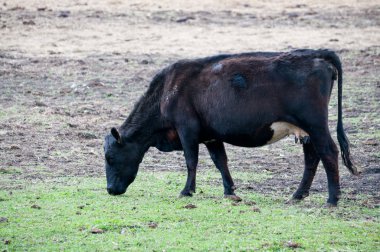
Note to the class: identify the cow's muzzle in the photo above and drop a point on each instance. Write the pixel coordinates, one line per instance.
(115, 191)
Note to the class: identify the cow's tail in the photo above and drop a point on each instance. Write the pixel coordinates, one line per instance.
(342, 138)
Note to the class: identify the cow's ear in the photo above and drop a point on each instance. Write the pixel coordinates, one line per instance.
(116, 135)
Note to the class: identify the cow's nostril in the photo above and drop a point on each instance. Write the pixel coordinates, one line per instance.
(110, 191)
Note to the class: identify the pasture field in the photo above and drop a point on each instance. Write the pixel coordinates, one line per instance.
(71, 70)
(75, 214)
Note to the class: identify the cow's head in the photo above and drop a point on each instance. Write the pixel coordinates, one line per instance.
(122, 159)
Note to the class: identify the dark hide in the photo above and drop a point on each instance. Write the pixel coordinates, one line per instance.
(234, 99)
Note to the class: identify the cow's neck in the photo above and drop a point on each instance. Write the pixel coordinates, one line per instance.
(145, 119)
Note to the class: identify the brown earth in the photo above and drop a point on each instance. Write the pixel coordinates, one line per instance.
(70, 70)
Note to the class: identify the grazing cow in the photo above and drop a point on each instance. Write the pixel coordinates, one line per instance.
(248, 100)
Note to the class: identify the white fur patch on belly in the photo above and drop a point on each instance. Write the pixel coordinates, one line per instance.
(284, 129)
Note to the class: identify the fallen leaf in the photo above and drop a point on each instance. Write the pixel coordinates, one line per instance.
(152, 225)
(256, 209)
(16, 8)
(36, 207)
(371, 142)
(64, 14)
(293, 15)
(95, 83)
(40, 104)
(291, 244)
(28, 22)
(190, 206)
(95, 230)
(184, 19)
(233, 198)
(87, 135)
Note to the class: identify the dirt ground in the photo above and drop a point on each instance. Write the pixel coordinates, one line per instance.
(71, 70)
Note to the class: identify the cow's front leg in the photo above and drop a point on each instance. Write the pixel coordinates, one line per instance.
(219, 157)
(189, 141)
(311, 163)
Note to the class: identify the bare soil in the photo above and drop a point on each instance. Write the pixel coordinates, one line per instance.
(71, 70)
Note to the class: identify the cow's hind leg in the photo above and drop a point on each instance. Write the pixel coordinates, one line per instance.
(219, 157)
(189, 141)
(311, 163)
(328, 152)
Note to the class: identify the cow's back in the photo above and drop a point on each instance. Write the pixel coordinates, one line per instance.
(241, 95)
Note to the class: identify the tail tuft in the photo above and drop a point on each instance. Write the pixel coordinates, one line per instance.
(345, 150)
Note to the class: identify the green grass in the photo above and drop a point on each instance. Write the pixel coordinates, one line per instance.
(70, 207)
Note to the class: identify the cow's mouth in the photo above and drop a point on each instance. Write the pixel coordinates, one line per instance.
(116, 190)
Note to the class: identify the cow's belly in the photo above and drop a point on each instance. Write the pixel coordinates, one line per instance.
(264, 135)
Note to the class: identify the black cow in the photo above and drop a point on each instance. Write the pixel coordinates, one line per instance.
(248, 100)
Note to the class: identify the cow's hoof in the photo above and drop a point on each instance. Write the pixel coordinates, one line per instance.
(330, 205)
(185, 194)
(300, 196)
(233, 197)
